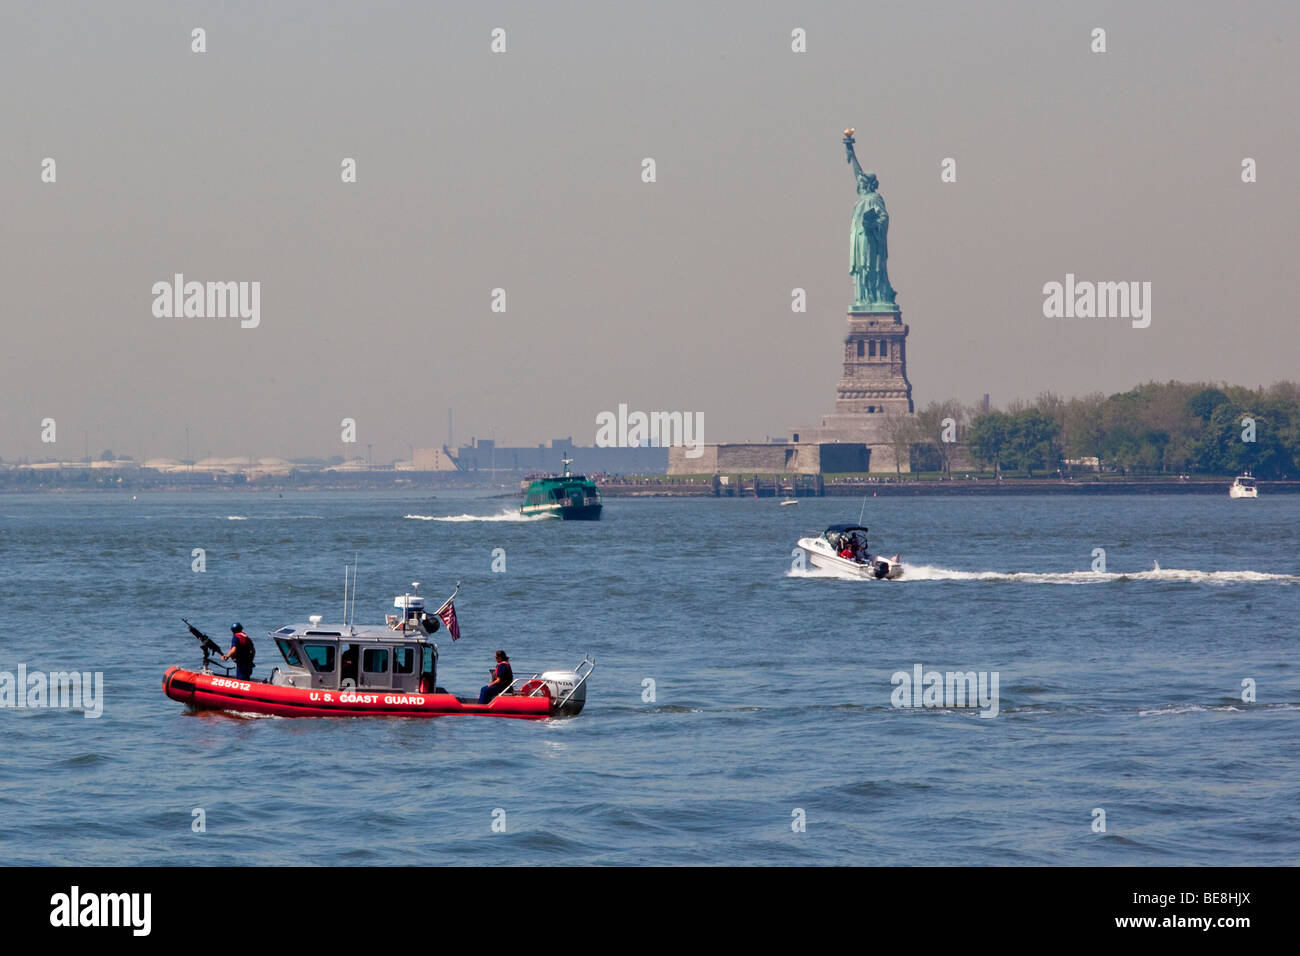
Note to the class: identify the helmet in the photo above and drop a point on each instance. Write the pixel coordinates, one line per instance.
(236, 627)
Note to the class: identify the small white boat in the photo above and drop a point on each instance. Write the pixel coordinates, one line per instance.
(843, 548)
(789, 501)
(1243, 487)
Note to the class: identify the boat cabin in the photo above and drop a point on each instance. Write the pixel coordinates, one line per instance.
(575, 492)
(396, 657)
(839, 535)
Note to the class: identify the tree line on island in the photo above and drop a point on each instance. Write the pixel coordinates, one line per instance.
(1171, 428)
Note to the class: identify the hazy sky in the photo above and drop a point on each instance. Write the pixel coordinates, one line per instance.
(522, 171)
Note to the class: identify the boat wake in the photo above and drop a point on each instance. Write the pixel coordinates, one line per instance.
(929, 572)
(274, 517)
(503, 516)
(1177, 709)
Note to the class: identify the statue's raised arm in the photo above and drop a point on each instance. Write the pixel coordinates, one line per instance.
(852, 157)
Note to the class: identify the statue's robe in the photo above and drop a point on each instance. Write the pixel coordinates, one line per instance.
(859, 255)
(869, 249)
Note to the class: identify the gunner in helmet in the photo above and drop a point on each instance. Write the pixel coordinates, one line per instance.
(242, 650)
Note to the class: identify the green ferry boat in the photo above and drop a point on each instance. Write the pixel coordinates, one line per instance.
(571, 497)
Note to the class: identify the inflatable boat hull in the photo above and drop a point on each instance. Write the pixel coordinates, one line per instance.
(213, 692)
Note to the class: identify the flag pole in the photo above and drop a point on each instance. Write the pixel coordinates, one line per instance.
(450, 599)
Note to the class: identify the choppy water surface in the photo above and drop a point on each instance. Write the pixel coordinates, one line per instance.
(1118, 689)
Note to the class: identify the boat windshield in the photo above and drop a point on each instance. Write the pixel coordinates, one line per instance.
(287, 651)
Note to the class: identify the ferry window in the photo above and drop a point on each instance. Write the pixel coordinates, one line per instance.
(873, 347)
(374, 660)
(290, 655)
(860, 345)
(321, 656)
(404, 660)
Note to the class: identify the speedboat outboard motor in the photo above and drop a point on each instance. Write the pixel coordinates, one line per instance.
(562, 684)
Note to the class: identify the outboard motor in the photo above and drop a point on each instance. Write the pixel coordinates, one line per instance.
(882, 569)
(561, 684)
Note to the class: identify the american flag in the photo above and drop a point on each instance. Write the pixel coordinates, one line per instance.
(447, 614)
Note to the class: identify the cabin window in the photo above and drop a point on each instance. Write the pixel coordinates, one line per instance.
(321, 656)
(290, 654)
(427, 667)
(374, 660)
(404, 660)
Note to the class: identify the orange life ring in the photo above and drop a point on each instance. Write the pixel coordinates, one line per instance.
(532, 685)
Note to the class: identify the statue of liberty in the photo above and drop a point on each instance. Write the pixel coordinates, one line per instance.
(868, 242)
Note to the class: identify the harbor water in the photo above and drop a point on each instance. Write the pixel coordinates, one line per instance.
(744, 708)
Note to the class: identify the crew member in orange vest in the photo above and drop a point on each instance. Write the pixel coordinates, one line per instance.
(242, 650)
(502, 677)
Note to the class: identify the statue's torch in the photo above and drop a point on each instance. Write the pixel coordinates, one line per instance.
(848, 145)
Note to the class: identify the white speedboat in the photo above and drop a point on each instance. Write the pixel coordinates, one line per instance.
(843, 547)
(1243, 487)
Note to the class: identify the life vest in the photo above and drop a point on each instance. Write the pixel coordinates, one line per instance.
(244, 649)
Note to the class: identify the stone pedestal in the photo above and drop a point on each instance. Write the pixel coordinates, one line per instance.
(874, 381)
(872, 389)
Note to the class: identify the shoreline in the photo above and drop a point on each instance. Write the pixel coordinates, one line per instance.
(987, 487)
(655, 486)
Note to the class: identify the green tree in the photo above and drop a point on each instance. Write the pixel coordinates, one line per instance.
(1204, 402)
(1031, 441)
(988, 439)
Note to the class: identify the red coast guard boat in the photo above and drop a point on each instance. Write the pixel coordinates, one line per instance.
(379, 671)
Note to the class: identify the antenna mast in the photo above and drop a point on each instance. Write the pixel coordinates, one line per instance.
(355, 556)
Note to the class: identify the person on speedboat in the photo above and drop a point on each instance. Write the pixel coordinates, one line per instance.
(242, 650)
(502, 677)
